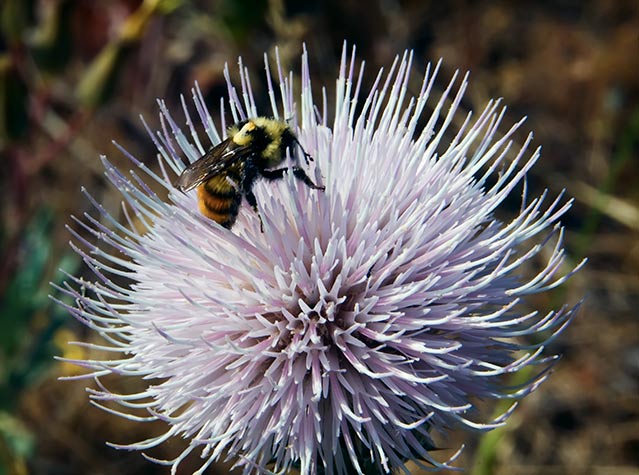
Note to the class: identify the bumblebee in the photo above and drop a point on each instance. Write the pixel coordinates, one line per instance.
(253, 149)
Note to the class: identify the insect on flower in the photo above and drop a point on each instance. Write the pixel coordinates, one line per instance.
(228, 170)
(361, 320)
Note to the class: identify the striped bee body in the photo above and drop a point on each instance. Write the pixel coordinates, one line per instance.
(219, 200)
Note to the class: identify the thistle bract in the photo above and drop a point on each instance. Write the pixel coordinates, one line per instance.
(362, 318)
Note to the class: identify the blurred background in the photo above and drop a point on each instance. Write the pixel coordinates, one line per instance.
(76, 74)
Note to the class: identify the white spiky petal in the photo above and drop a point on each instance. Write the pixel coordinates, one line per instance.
(361, 319)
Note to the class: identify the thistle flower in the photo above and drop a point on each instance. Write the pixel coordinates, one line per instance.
(362, 318)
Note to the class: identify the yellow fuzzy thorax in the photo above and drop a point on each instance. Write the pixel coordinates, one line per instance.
(273, 128)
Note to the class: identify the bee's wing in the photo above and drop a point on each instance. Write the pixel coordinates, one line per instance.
(212, 163)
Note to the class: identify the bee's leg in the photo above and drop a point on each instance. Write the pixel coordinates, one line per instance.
(298, 173)
(250, 197)
(249, 173)
(307, 156)
(274, 174)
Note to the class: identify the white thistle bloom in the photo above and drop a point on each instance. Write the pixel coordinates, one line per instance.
(362, 318)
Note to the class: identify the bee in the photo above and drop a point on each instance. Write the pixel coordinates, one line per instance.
(253, 149)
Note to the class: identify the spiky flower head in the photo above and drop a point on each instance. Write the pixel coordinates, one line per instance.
(362, 318)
